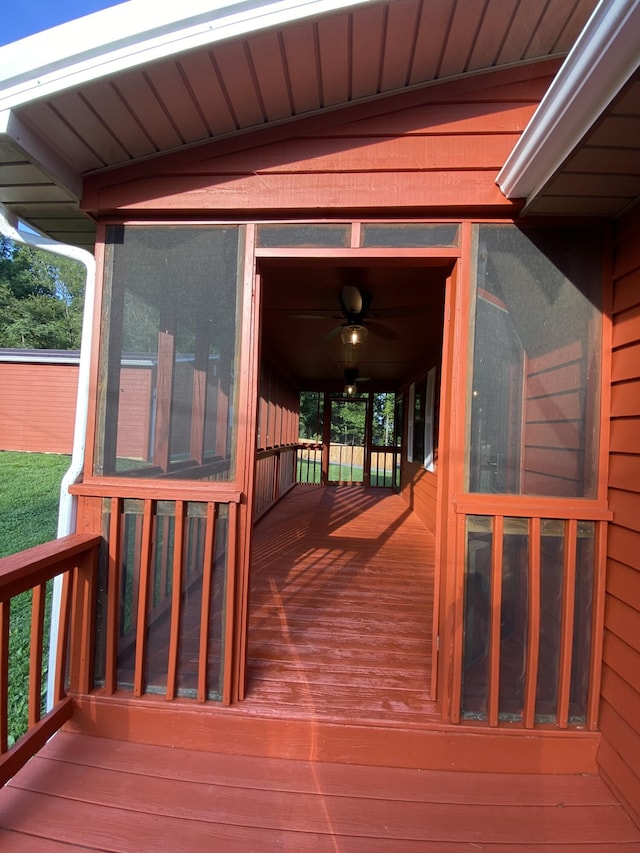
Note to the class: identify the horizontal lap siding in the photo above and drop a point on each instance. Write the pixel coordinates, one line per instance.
(554, 400)
(37, 406)
(419, 489)
(619, 756)
(441, 147)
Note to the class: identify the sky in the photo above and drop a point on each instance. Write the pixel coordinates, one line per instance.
(26, 17)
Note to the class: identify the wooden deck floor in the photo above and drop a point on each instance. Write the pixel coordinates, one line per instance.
(84, 793)
(341, 608)
(340, 632)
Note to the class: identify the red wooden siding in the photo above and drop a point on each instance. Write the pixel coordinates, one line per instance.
(419, 488)
(136, 385)
(442, 146)
(37, 406)
(554, 391)
(619, 755)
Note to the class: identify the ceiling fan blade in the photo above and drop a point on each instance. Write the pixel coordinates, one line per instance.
(327, 315)
(332, 333)
(382, 331)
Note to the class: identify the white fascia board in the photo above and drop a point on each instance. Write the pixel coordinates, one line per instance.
(136, 33)
(602, 60)
(36, 151)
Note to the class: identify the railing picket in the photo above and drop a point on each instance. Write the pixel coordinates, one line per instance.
(232, 544)
(113, 598)
(207, 576)
(597, 625)
(495, 620)
(35, 653)
(143, 596)
(567, 621)
(458, 626)
(176, 599)
(533, 627)
(5, 608)
(59, 684)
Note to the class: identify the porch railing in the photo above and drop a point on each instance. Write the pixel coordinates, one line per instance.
(75, 558)
(309, 463)
(163, 595)
(275, 475)
(385, 466)
(529, 636)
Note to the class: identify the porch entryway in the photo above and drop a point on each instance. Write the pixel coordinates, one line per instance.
(341, 608)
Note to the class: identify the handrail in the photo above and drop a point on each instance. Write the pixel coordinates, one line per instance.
(74, 558)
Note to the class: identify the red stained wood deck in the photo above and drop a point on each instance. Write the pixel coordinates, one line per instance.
(340, 632)
(342, 608)
(84, 793)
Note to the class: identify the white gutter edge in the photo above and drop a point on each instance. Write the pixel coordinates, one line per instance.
(603, 58)
(121, 37)
(67, 506)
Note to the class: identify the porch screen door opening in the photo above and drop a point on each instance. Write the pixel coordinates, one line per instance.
(348, 442)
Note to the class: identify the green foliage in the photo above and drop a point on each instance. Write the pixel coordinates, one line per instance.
(311, 415)
(29, 496)
(348, 419)
(41, 299)
(383, 419)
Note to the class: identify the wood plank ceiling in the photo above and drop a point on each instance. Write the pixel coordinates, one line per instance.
(270, 76)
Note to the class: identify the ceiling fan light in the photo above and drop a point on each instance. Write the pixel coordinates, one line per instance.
(353, 334)
(350, 389)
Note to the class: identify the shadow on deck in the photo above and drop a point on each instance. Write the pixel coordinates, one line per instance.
(341, 608)
(339, 664)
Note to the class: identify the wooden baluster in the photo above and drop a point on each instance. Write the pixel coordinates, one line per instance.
(143, 597)
(35, 653)
(113, 595)
(533, 628)
(458, 626)
(176, 600)
(566, 625)
(232, 556)
(82, 623)
(495, 618)
(597, 624)
(59, 685)
(207, 575)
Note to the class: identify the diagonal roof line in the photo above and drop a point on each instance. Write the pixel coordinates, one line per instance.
(602, 60)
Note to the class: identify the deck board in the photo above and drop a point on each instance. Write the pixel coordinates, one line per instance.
(341, 608)
(96, 794)
(340, 631)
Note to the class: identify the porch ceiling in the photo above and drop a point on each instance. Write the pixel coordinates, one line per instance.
(109, 90)
(301, 318)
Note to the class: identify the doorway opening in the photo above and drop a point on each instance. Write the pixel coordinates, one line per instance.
(335, 571)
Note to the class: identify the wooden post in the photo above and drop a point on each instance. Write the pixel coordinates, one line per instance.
(82, 623)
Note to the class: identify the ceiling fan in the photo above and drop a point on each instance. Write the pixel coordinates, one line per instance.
(355, 308)
(351, 378)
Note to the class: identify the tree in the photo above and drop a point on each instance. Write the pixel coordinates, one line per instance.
(41, 298)
(383, 419)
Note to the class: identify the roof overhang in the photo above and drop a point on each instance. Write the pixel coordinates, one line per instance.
(584, 94)
(120, 38)
(139, 80)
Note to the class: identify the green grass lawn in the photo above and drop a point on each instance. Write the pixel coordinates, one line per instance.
(29, 495)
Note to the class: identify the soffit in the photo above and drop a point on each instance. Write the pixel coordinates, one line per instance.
(579, 153)
(79, 125)
(601, 176)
